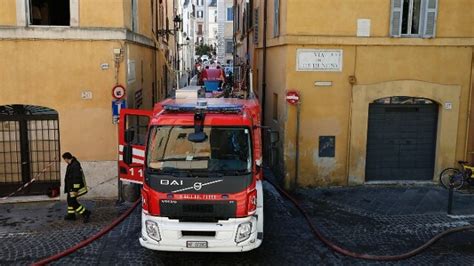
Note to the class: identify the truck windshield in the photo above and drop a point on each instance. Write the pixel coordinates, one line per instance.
(225, 149)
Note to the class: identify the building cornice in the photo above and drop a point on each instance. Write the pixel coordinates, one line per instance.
(371, 41)
(71, 33)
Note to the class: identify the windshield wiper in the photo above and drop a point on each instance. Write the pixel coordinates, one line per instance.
(205, 173)
(171, 171)
(194, 158)
(234, 172)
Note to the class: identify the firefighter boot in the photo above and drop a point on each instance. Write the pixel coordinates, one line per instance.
(86, 216)
(70, 217)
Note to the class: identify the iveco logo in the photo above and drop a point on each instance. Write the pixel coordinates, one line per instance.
(166, 182)
(197, 186)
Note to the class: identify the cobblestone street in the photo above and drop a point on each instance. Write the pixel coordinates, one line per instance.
(373, 220)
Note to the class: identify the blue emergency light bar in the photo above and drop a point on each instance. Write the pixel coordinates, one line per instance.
(214, 108)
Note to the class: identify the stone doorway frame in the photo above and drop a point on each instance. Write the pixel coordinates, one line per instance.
(363, 95)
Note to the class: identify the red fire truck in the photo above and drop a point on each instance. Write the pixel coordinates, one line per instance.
(198, 163)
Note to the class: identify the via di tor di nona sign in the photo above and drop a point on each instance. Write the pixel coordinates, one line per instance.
(325, 60)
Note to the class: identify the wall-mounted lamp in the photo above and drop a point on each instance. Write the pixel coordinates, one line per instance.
(184, 44)
(177, 23)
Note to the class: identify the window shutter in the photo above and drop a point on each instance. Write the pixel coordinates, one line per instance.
(255, 27)
(396, 18)
(430, 18)
(276, 18)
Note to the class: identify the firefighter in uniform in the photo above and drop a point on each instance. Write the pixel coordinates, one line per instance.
(75, 186)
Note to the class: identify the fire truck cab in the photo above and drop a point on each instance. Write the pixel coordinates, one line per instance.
(198, 162)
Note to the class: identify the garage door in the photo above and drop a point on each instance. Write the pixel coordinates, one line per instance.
(401, 141)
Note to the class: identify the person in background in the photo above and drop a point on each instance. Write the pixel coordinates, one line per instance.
(204, 75)
(221, 77)
(74, 186)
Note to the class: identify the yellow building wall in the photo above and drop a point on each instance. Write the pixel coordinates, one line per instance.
(144, 68)
(53, 74)
(455, 18)
(103, 13)
(440, 65)
(284, 17)
(325, 111)
(8, 13)
(144, 16)
(440, 68)
(339, 17)
(276, 83)
(127, 13)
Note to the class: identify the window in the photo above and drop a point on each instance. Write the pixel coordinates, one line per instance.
(249, 18)
(154, 16)
(403, 100)
(413, 18)
(200, 29)
(276, 18)
(134, 18)
(49, 12)
(200, 14)
(238, 18)
(255, 27)
(229, 46)
(138, 124)
(230, 14)
(275, 107)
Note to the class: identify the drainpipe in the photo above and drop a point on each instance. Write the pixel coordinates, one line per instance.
(264, 73)
(297, 155)
(234, 58)
(469, 115)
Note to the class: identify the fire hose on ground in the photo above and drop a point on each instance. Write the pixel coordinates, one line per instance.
(349, 253)
(313, 228)
(90, 239)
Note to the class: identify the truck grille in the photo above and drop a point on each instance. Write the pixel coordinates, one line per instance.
(198, 233)
(199, 211)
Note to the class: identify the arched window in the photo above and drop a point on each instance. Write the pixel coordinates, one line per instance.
(403, 100)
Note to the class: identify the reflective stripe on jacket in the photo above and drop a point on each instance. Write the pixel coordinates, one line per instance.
(74, 181)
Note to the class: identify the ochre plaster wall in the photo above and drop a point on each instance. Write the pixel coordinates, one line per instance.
(8, 13)
(339, 17)
(103, 13)
(326, 111)
(144, 75)
(53, 74)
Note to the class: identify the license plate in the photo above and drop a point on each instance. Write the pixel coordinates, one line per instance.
(196, 244)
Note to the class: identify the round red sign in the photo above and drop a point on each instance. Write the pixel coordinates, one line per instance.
(292, 97)
(118, 92)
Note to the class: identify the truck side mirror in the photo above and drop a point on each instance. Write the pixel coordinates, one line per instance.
(127, 154)
(129, 135)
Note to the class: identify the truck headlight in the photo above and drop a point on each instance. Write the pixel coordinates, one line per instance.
(152, 230)
(243, 232)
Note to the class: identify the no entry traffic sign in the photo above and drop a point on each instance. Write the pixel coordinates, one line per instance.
(292, 97)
